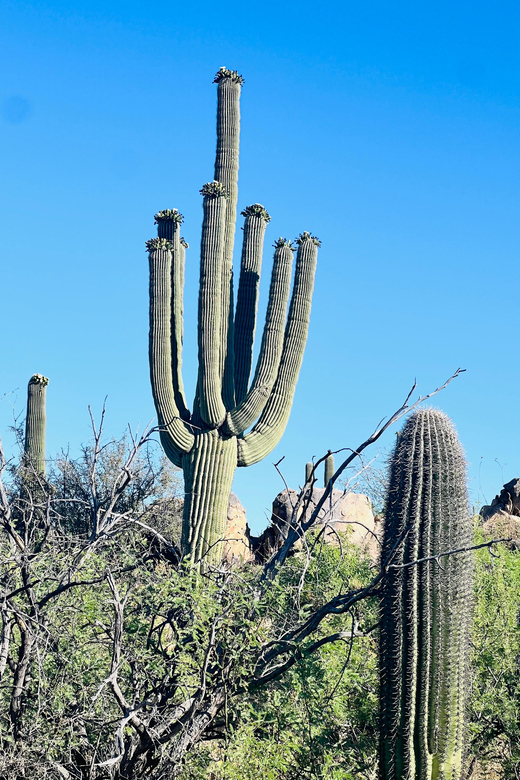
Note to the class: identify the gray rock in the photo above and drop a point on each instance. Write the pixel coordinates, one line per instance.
(343, 514)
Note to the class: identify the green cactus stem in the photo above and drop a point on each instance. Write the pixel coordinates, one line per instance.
(208, 469)
(266, 433)
(329, 468)
(247, 296)
(168, 227)
(212, 409)
(308, 472)
(425, 607)
(229, 87)
(176, 437)
(209, 443)
(35, 424)
(245, 413)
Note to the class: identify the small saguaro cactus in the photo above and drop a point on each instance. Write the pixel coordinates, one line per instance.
(425, 604)
(329, 469)
(35, 422)
(209, 442)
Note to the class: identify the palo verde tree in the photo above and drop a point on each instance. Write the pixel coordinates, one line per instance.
(35, 423)
(209, 442)
(425, 604)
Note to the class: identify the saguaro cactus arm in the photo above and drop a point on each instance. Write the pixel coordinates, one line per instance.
(177, 336)
(267, 432)
(247, 296)
(168, 227)
(245, 414)
(176, 437)
(212, 409)
(425, 607)
(35, 423)
(229, 86)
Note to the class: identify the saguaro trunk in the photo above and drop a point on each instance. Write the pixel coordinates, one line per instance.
(208, 474)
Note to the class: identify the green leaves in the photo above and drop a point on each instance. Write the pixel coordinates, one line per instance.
(495, 704)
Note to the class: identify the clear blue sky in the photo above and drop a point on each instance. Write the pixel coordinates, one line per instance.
(390, 130)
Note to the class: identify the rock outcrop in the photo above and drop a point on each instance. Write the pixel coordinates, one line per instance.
(344, 514)
(237, 545)
(501, 519)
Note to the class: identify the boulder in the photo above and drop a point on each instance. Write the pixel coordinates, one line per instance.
(501, 518)
(343, 515)
(508, 500)
(237, 544)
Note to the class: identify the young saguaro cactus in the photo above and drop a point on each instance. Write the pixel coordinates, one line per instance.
(328, 469)
(211, 441)
(35, 423)
(425, 606)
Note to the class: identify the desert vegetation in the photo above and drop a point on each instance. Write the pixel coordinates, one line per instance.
(129, 649)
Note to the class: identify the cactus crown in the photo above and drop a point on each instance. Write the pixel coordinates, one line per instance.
(184, 243)
(305, 236)
(256, 210)
(39, 379)
(225, 73)
(214, 189)
(281, 242)
(168, 215)
(158, 243)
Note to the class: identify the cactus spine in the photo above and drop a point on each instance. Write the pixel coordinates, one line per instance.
(211, 441)
(425, 607)
(34, 449)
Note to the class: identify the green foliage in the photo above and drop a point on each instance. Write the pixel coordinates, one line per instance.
(495, 708)
(309, 711)
(82, 489)
(178, 632)
(320, 719)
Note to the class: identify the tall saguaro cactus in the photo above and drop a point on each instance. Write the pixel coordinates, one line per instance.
(211, 441)
(35, 422)
(425, 605)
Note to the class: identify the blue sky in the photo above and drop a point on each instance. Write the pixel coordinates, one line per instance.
(388, 130)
